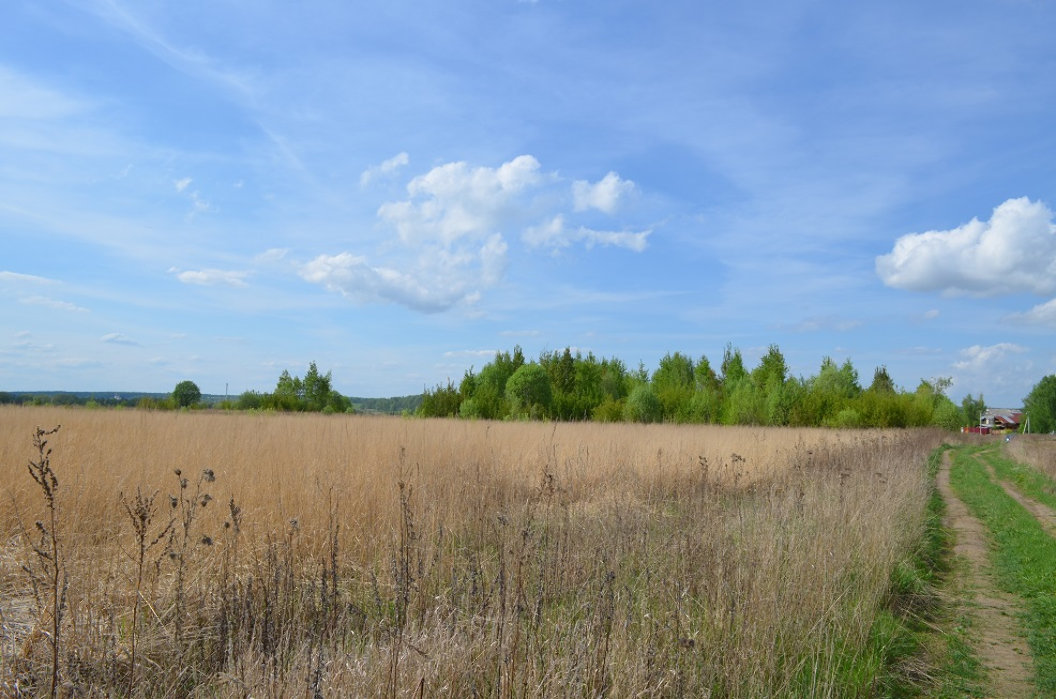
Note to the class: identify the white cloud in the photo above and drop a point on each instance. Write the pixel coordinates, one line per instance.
(118, 339)
(51, 303)
(386, 167)
(554, 234)
(1042, 314)
(24, 278)
(450, 229)
(440, 279)
(1015, 251)
(931, 314)
(211, 277)
(456, 201)
(271, 256)
(604, 195)
(978, 358)
(182, 184)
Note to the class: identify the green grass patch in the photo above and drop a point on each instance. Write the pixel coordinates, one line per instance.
(923, 645)
(1032, 483)
(1023, 555)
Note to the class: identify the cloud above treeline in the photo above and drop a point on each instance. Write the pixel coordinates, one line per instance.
(454, 227)
(1012, 252)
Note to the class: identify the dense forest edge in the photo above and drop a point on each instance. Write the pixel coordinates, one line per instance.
(569, 386)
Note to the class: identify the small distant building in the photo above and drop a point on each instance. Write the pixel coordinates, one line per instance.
(998, 420)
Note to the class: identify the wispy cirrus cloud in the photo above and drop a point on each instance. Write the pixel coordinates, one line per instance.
(118, 339)
(48, 302)
(20, 278)
(555, 234)
(211, 277)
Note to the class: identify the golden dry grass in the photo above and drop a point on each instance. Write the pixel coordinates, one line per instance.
(517, 558)
(1038, 450)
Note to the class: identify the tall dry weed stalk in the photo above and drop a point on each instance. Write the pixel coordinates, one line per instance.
(50, 572)
(188, 503)
(141, 511)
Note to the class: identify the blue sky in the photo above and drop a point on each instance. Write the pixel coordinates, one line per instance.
(222, 190)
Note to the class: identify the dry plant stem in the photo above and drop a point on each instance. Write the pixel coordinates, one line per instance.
(189, 505)
(141, 510)
(48, 549)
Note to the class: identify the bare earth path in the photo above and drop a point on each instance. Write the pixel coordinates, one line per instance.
(1002, 649)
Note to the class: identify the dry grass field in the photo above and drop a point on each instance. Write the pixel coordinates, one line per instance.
(1038, 450)
(314, 556)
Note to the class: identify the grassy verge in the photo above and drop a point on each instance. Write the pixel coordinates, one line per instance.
(1032, 483)
(921, 639)
(1024, 556)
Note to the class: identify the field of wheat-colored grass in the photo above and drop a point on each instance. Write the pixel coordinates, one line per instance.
(357, 556)
(1038, 450)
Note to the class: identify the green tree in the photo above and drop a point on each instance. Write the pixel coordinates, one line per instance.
(673, 383)
(732, 367)
(186, 394)
(882, 382)
(973, 408)
(317, 388)
(1040, 405)
(528, 391)
(642, 405)
(443, 401)
(947, 415)
(250, 400)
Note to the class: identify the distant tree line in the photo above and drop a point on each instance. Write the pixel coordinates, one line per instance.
(570, 386)
(312, 393)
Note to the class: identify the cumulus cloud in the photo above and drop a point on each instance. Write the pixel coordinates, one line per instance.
(435, 285)
(386, 167)
(555, 234)
(211, 277)
(1014, 251)
(604, 195)
(1042, 314)
(456, 201)
(978, 358)
(450, 231)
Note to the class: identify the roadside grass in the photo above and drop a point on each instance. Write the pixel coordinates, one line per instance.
(922, 635)
(1028, 480)
(1023, 555)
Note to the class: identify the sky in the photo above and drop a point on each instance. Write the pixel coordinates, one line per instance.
(221, 190)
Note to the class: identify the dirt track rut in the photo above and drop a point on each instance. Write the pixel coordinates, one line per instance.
(1001, 647)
